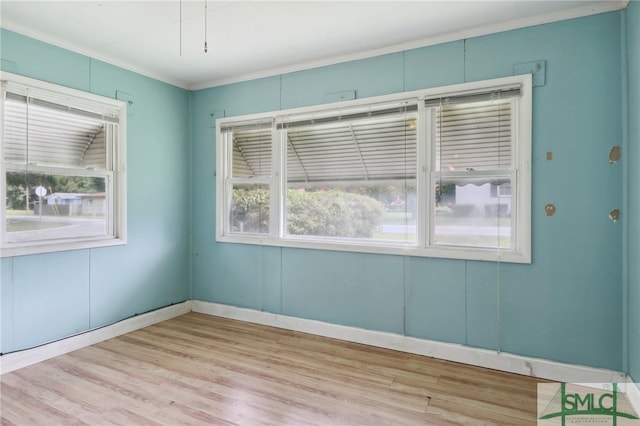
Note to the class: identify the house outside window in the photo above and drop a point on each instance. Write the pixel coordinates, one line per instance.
(440, 172)
(62, 170)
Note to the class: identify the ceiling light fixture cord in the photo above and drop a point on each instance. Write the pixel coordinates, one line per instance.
(206, 48)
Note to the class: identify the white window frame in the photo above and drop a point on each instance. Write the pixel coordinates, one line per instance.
(520, 252)
(114, 174)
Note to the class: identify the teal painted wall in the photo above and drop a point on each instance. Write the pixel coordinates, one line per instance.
(633, 189)
(566, 306)
(50, 296)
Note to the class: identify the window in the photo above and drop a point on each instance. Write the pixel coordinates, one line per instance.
(473, 158)
(62, 169)
(345, 172)
(440, 172)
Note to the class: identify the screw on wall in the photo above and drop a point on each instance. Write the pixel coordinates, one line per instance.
(550, 209)
(614, 215)
(614, 155)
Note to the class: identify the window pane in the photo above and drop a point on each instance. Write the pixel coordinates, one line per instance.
(473, 136)
(48, 206)
(385, 212)
(381, 148)
(473, 213)
(251, 153)
(249, 210)
(38, 135)
(353, 178)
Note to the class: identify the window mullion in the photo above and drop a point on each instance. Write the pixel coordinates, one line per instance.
(222, 173)
(424, 187)
(228, 188)
(432, 176)
(276, 193)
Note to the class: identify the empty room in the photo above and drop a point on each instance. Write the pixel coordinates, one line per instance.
(320, 213)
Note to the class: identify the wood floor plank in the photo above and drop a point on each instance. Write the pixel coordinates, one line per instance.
(310, 375)
(265, 381)
(51, 389)
(249, 382)
(289, 349)
(198, 369)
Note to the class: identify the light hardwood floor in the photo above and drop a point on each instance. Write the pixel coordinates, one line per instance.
(200, 369)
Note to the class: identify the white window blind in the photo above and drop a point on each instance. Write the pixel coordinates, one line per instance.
(43, 132)
(251, 151)
(361, 146)
(474, 132)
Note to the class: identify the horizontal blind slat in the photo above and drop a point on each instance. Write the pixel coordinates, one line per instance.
(474, 136)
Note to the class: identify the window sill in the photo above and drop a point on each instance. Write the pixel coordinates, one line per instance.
(25, 249)
(444, 252)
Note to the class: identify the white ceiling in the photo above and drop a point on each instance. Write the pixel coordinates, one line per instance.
(250, 39)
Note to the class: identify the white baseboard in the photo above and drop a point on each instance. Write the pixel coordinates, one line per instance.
(535, 367)
(16, 360)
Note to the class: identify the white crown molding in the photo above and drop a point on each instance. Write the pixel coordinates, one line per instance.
(578, 12)
(597, 8)
(46, 38)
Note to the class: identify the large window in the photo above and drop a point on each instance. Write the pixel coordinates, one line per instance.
(62, 168)
(440, 172)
